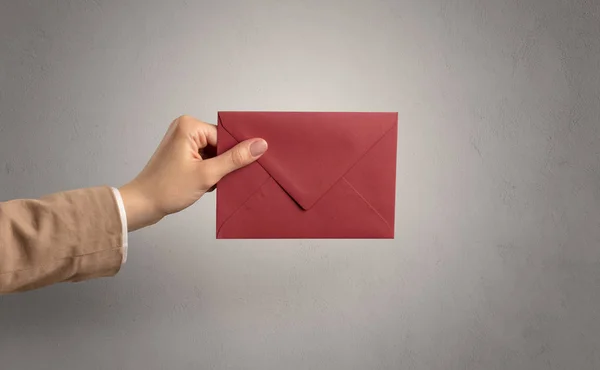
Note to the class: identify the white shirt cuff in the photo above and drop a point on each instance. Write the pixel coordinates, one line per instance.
(123, 222)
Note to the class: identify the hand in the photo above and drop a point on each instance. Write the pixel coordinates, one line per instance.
(182, 170)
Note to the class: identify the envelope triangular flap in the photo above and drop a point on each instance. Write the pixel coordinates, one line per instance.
(309, 151)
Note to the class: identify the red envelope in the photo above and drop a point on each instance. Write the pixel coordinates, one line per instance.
(325, 175)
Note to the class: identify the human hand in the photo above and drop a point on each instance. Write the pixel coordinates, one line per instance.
(181, 170)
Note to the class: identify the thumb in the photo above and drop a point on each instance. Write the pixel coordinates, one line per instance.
(237, 157)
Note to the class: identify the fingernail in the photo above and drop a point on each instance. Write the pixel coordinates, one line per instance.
(258, 147)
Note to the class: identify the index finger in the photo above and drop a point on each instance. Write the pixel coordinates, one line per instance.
(210, 132)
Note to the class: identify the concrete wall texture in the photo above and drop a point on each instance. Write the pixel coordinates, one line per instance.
(496, 263)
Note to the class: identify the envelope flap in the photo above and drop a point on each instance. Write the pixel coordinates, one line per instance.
(309, 151)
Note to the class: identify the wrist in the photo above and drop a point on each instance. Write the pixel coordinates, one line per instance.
(139, 207)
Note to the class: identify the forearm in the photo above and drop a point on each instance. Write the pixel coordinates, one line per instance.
(68, 236)
(139, 207)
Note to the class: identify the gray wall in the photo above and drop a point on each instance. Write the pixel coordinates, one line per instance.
(496, 264)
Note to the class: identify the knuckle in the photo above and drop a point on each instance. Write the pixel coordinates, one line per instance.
(184, 118)
(238, 157)
(185, 123)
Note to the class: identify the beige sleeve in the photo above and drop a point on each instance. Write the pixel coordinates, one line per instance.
(69, 236)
